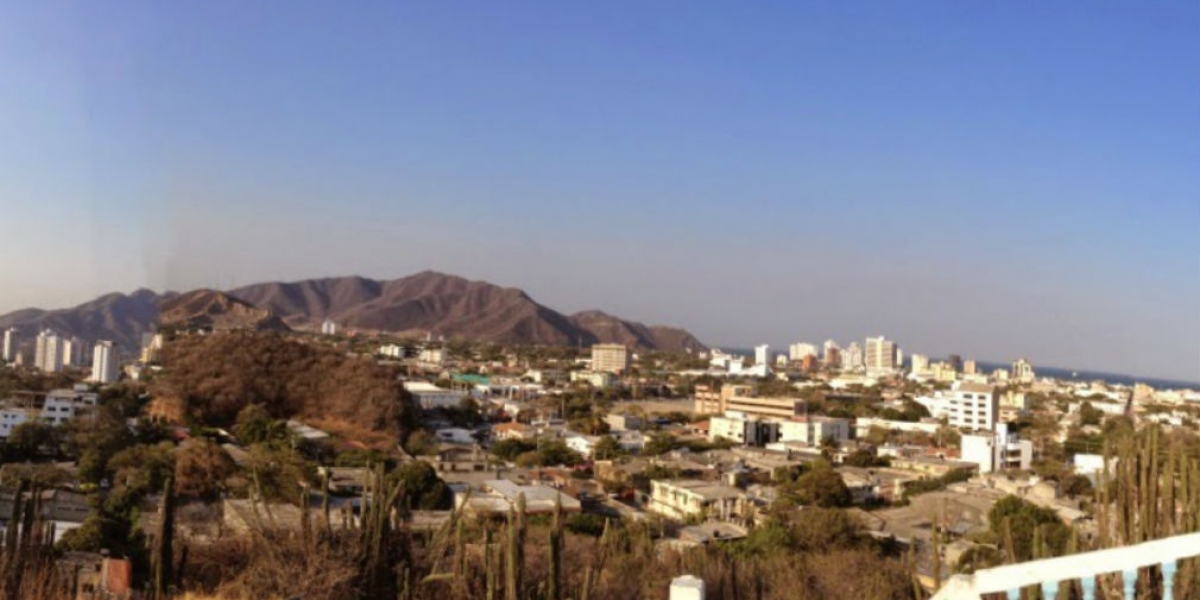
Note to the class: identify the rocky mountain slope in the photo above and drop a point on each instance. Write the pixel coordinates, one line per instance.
(427, 302)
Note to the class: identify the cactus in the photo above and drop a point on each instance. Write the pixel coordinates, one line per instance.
(161, 561)
(554, 583)
(489, 564)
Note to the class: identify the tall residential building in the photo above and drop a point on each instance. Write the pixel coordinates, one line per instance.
(831, 354)
(919, 364)
(852, 358)
(329, 327)
(72, 352)
(968, 406)
(611, 358)
(11, 347)
(969, 367)
(1022, 371)
(762, 355)
(104, 363)
(48, 355)
(880, 355)
(799, 350)
(956, 362)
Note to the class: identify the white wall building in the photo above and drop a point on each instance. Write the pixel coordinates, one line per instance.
(881, 356)
(1022, 371)
(611, 358)
(72, 352)
(762, 355)
(56, 408)
(328, 327)
(11, 345)
(105, 364)
(967, 405)
(997, 451)
(813, 430)
(852, 357)
(799, 350)
(430, 396)
(48, 352)
(742, 428)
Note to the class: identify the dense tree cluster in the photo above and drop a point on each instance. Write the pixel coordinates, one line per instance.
(215, 377)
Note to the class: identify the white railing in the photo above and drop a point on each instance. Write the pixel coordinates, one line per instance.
(1086, 566)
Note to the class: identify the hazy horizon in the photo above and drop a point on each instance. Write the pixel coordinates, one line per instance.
(988, 180)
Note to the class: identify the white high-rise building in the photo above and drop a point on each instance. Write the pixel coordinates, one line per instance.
(799, 350)
(48, 353)
(852, 358)
(1022, 371)
(881, 356)
(762, 355)
(104, 363)
(919, 364)
(610, 358)
(329, 327)
(12, 342)
(72, 352)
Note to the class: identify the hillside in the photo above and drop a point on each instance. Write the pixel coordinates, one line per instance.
(121, 318)
(427, 302)
(211, 309)
(431, 302)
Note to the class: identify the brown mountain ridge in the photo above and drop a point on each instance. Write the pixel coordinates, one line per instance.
(427, 302)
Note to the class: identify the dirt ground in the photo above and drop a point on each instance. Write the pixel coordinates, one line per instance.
(655, 406)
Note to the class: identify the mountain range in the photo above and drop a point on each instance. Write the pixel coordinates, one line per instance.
(426, 303)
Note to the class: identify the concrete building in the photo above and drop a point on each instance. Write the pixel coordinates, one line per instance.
(328, 327)
(799, 350)
(763, 406)
(831, 354)
(105, 364)
(11, 346)
(430, 396)
(968, 406)
(597, 379)
(813, 430)
(997, 451)
(956, 362)
(762, 355)
(48, 356)
(969, 367)
(687, 587)
(1022, 371)
(852, 357)
(681, 499)
(881, 356)
(72, 352)
(432, 356)
(919, 365)
(611, 358)
(56, 408)
(743, 429)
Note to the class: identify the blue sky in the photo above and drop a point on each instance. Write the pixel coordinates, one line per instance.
(992, 179)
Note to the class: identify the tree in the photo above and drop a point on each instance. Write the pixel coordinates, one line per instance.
(201, 469)
(254, 425)
(421, 443)
(32, 438)
(1077, 485)
(509, 450)
(821, 487)
(660, 443)
(1090, 415)
(1022, 518)
(143, 468)
(607, 448)
(423, 489)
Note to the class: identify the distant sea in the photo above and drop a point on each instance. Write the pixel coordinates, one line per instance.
(1057, 373)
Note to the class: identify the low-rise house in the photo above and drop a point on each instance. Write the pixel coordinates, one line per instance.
(497, 496)
(743, 429)
(89, 575)
(348, 481)
(455, 435)
(814, 430)
(305, 432)
(429, 396)
(512, 431)
(624, 422)
(67, 510)
(696, 499)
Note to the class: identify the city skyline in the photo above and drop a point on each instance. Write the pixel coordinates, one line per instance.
(994, 181)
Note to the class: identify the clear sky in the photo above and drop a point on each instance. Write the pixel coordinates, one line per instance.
(994, 179)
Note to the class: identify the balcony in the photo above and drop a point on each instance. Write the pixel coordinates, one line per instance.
(1049, 572)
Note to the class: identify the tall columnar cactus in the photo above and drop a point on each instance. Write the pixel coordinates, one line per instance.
(554, 583)
(161, 558)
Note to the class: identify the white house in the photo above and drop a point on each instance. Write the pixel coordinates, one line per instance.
(997, 451)
(430, 396)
